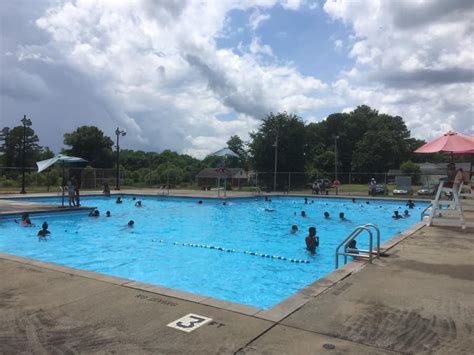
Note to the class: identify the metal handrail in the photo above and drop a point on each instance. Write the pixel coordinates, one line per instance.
(352, 252)
(424, 211)
(371, 225)
(351, 237)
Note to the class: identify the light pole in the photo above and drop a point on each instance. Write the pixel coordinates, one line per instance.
(26, 122)
(335, 161)
(276, 160)
(118, 133)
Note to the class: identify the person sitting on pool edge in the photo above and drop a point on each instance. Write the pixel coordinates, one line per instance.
(44, 231)
(342, 217)
(138, 204)
(294, 229)
(410, 204)
(312, 241)
(118, 200)
(396, 215)
(326, 215)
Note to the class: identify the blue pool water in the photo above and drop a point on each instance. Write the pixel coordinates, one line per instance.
(153, 251)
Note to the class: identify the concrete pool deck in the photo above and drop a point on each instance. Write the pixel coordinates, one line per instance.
(417, 300)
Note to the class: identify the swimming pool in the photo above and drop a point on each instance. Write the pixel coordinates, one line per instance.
(210, 248)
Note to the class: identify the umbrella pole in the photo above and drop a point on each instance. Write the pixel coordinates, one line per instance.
(62, 197)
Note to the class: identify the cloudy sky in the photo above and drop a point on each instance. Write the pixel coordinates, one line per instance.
(187, 74)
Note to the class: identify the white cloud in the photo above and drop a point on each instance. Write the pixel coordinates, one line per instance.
(338, 44)
(413, 58)
(157, 71)
(256, 18)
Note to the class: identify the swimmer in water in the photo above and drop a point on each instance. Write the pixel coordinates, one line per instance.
(118, 200)
(305, 200)
(200, 202)
(138, 204)
(44, 231)
(25, 220)
(294, 229)
(94, 213)
(108, 214)
(410, 204)
(312, 241)
(406, 213)
(353, 200)
(342, 217)
(130, 223)
(303, 214)
(326, 215)
(396, 215)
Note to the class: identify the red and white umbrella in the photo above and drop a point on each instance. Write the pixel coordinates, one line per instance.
(450, 142)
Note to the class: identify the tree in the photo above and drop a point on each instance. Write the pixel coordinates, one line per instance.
(237, 146)
(290, 130)
(412, 169)
(11, 146)
(90, 143)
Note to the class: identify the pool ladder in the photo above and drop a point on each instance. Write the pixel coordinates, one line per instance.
(425, 212)
(360, 253)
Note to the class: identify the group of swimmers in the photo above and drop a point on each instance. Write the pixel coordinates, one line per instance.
(312, 240)
(26, 222)
(96, 213)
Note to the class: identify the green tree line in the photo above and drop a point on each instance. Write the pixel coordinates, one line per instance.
(367, 141)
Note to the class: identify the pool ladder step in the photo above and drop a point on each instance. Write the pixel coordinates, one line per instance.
(360, 253)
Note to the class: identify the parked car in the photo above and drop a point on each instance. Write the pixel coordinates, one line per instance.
(426, 190)
(402, 192)
(378, 190)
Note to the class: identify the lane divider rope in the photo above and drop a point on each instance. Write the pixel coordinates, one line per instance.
(213, 247)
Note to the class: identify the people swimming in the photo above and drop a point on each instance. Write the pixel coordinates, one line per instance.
(312, 241)
(353, 200)
(200, 202)
(342, 217)
(94, 213)
(44, 231)
(305, 200)
(352, 247)
(25, 220)
(138, 204)
(303, 214)
(118, 200)
(130, 223)
(406, 213)
(108, 214)
(410, 204)
(396, 215)
(326, 215)
(294, 229)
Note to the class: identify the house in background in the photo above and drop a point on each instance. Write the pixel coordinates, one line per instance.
(236, 177)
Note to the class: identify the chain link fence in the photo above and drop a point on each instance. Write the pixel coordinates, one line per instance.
(282, 182)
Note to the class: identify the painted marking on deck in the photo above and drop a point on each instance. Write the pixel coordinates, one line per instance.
(189, 322)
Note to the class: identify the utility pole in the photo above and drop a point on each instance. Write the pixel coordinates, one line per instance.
(26, 122)
(118, 133)
(276, 164)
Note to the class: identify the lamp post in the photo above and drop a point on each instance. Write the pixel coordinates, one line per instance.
(26, 122)
(335, 161)
(118, 133)
(276, 160)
